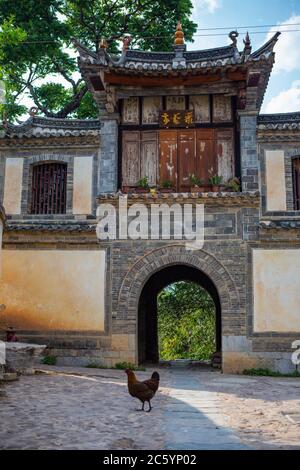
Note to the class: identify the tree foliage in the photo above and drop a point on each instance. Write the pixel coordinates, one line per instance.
(186, 322)
(45, 65)
(10, 36)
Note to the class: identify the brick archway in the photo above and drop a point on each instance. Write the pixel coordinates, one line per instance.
(152, 262)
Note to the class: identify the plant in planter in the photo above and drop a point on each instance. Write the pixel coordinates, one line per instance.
(233, 185)
(215, 181)
(197, 184)
(128, 189)
(166, 186)
(143, 185)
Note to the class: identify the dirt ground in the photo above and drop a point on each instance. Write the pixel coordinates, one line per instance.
(264, 411)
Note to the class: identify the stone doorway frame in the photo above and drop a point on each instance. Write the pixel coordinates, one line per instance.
(164, 256)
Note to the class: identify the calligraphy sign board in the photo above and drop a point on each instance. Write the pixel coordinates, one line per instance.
(174, 118)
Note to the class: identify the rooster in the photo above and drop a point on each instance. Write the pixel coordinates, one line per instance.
(145, 390)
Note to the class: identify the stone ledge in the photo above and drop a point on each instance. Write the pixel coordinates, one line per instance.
(21, 356)
(228, 198)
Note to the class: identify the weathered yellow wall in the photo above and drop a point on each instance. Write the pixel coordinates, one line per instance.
(276, 283)
(275, 178)
(53, 290)
(13, 185)
(82, 189)
(1, 232)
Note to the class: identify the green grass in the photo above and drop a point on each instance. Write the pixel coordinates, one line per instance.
(119, 366)
(269, 373)
(95, 365)
(49, 360)
(127, 365)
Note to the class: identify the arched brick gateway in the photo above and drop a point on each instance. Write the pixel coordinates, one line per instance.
(170, 255)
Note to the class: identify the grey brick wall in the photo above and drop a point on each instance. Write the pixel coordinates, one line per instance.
(108, 168)
(249, 156)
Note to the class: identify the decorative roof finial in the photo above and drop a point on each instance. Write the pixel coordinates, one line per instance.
(103, 44)
(126, 42)
(247, 43)
(233, 36)
(33, 111)
(179, 35)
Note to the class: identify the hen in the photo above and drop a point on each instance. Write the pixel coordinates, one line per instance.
(145, 390)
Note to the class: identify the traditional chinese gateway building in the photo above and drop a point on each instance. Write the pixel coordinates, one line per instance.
(164, 116)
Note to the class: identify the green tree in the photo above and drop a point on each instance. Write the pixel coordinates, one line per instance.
(186, 322)
(45, 65)
(10, 36)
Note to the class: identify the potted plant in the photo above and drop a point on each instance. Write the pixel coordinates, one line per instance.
(143, 185)
(197, 184)
(215, 181)
(128, 189)
(233, 184)
(166, 186)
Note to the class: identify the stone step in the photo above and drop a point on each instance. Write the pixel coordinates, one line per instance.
(10, 376)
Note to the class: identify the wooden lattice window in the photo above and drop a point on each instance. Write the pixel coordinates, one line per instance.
(49, 188)
(296, 183)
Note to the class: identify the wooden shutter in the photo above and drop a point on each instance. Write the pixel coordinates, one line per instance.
(49, 188)
(130, 158)
(296, 183)
(186, 157)
(149, 151)
(206, 162)
(168, 156)
(224, 153)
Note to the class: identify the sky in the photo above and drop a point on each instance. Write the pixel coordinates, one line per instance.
(283, 93)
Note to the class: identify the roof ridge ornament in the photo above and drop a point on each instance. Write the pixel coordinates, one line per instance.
(179, 35)
(248, 47)
(103, 44)
(233, 35)
(126, 42)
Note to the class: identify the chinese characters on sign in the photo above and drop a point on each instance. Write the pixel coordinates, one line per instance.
(177, 119)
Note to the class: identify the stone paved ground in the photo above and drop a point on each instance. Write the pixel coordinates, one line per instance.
(78, 408)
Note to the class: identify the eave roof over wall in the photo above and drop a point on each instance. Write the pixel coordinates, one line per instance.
(51, 127)
(136, 68)
(279, 121)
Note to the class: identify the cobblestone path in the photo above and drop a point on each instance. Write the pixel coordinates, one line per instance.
(80, 408)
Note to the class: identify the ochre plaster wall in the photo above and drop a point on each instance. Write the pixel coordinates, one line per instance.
(276, 186)
(13, 185)
(82, 189)
(276, 290)
(53, 289)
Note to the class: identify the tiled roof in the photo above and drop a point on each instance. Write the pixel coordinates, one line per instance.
(2, 213)
(280, 224)
(280, 121)
(46, 127)
(179, 58)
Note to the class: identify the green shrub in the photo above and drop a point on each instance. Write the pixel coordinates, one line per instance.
(49, 360)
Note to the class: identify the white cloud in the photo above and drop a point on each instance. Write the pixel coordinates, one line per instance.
(287, 101)
(287, 57)
(210, 5)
